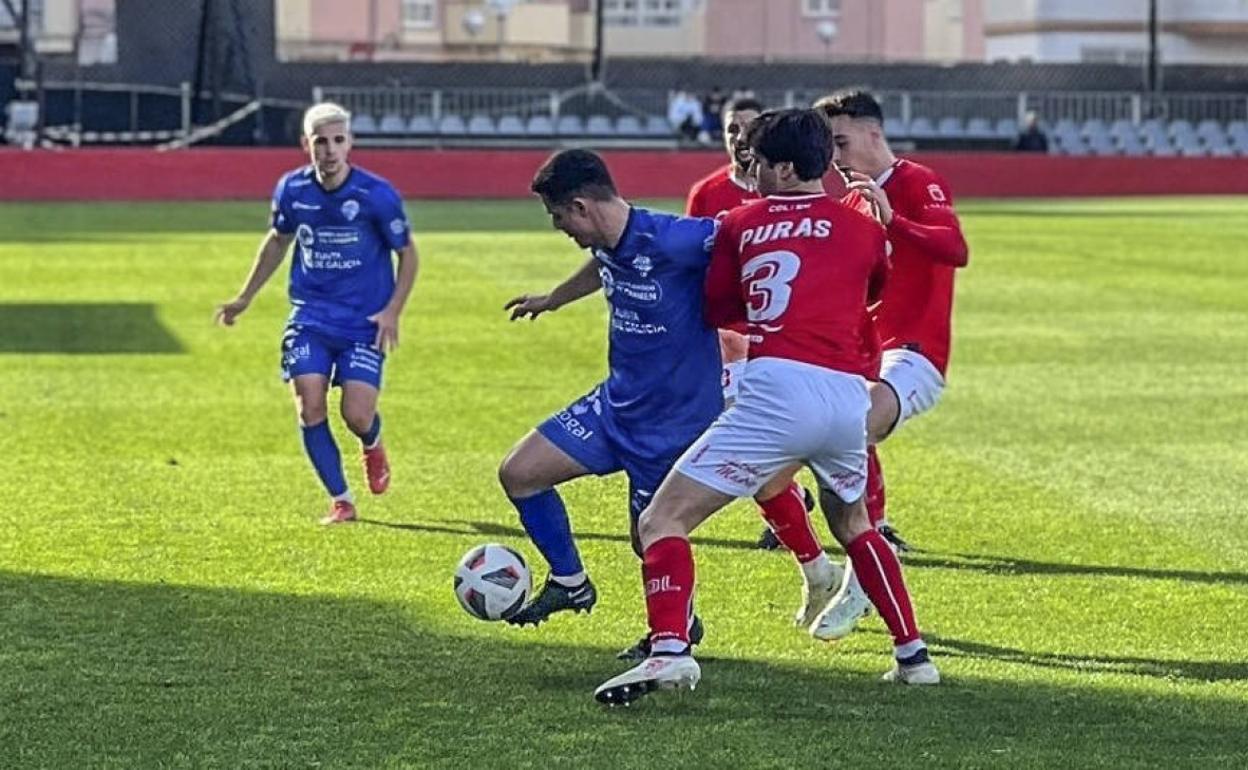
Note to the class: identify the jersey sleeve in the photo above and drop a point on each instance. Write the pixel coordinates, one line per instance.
(688, 242)
(693, 203)
(723, 306)
(932, 227)
(279, 216)
(390, 219)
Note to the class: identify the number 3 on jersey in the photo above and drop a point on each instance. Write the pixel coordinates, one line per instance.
(767, 278)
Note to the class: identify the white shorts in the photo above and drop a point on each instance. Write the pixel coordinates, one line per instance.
(916, 381)
(786, 412)
(732, 379)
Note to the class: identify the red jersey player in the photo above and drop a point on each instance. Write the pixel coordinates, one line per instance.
(797, 267)
(714, 196)
(915, 311)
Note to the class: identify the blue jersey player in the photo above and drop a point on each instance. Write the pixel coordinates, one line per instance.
(663, 384)
(344, 293)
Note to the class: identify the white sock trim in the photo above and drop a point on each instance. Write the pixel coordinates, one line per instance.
(570, 581)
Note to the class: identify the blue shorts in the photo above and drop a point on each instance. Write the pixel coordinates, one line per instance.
(310, 352)
(584, 434)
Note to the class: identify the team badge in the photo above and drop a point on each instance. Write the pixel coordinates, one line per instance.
(350, 209)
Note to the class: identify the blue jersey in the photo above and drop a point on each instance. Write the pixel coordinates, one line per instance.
(663, 388)
(342, 271)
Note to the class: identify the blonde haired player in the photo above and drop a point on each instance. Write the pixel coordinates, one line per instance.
(346, 295)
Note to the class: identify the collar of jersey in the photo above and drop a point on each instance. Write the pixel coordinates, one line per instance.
(628, 232)
(336, 190)
(795, 196)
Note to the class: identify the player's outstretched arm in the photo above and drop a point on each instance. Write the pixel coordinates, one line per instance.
(387, 319)
(272, 252)
(582, 283)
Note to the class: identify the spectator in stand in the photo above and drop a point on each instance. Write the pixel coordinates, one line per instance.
(712, 107)
(684, 113)
(1032, 138)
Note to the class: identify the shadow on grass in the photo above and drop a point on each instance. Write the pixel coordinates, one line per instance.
(103, 673)
(1195, 670)
(105, 327)
(494, 529)
(1009, 565)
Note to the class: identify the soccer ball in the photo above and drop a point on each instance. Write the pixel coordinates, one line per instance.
(492, 582)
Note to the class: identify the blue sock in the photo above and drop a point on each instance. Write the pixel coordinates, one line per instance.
(370, 438)
(323, 453)
(546, 521)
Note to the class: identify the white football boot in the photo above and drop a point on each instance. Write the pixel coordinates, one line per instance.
(841, 616)
(818, 591)
(658, 672)
(916, 673)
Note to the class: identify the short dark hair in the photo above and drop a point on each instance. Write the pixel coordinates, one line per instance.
(741, 104)
(853, 103)
(797, 136)
(572, 174)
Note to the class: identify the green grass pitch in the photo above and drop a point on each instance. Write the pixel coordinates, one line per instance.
(167, 599)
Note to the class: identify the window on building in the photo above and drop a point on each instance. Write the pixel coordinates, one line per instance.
(821, 8)
(418, 14)
(645, 13)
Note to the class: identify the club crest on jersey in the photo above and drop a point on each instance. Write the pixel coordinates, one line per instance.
(304, 235)
(350, 209)
(937, 194)
(643, 265)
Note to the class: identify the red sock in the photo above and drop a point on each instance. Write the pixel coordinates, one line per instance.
(667, 572)
(786, 515)
(875, 488)
(879, 573)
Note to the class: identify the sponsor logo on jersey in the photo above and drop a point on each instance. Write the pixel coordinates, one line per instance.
(643, 264)
(305, 206)
(350, 209)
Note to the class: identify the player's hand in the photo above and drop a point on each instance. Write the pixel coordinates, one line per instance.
(531, 305)
(230, 311)
(387, 329)
(875, 195)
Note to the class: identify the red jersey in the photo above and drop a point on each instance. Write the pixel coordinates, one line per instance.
(916, 308)
(717, 194)
(799, 269)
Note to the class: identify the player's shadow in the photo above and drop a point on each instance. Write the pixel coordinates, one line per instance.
(494, 529)
(175, 674)
(1195, 670)
(1009, 565)
(84, 327)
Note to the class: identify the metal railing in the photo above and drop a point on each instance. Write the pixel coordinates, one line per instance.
(407, 102)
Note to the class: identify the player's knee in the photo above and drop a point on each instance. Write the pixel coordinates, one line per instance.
(311, 411)
(846, 520)
(514, 477)
(358, 418)
(885, 410)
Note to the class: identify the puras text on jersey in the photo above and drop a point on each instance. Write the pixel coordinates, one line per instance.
(776, 231)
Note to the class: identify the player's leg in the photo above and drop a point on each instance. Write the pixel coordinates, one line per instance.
(680, 505)
(307, 363)
(644, 478)
(568, 445)
(879, 573)
(358, 368)
(783, 505)
(903, 371)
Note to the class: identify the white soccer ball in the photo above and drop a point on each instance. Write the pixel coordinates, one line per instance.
(492, 582)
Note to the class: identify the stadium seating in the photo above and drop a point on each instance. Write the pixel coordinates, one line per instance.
(391, 123)
(980, 128)
(629, 125)
(363, 124)
(598, 125)
(422, 125)
(452, 125)
(570, 125)
(540, 125)
(510, 125)
(481, 125)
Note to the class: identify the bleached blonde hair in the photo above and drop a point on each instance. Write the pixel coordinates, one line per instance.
(321, 114)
